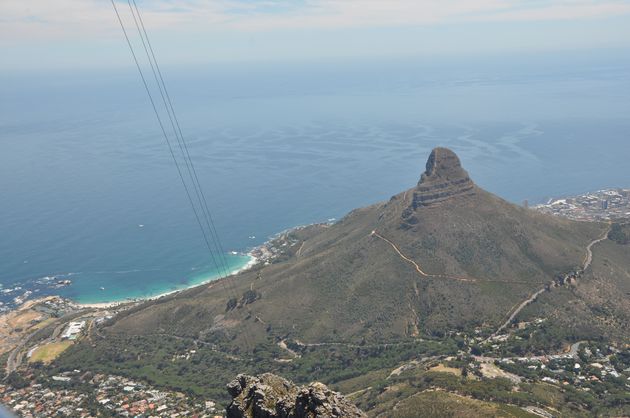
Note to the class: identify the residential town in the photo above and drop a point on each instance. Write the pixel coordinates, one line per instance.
(285, 243)
(40, 330)
(585, 366)
(602, 205)
(107, 396)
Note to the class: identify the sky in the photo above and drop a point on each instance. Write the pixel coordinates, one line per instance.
(41, 35)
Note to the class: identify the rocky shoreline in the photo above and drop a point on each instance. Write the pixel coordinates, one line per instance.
(283, 243)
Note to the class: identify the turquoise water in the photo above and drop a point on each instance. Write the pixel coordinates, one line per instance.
(82, 163)
(87, 290)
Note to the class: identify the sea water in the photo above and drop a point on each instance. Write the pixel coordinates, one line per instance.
(88, 191)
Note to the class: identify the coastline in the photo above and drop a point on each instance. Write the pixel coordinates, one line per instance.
(260, 254)
(116, 303)
(269, 250)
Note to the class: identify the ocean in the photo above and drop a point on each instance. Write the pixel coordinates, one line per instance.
(88, 192)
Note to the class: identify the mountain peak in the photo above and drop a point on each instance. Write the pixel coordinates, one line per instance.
(444, 179)
(443, 163)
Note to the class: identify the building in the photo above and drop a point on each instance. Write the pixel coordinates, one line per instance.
(73, 330)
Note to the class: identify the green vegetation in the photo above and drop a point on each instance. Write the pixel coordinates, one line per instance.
(548, 337)
(49, 352)
(16, 380)
(439, 404)
(620, 233)
(3, 361)
(362, 302)
(423, 389)
(199, 370)
(206, 371)
(349, 286)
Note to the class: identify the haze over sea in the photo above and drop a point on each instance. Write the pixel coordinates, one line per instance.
(83, 163)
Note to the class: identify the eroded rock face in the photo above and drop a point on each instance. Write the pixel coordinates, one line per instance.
(443, 179)
(270, 396)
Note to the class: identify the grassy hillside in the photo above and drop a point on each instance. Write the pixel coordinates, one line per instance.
(439, 404)
(412, 277)
(482, 254)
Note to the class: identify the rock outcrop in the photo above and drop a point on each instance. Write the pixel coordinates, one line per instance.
(443, 180)
(271, 396)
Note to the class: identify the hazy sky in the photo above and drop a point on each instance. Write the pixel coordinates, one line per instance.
(46, 34)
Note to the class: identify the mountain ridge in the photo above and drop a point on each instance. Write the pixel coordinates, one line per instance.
(348, 280)
(352, 303)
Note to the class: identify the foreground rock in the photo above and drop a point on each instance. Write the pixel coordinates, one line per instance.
(270, 396)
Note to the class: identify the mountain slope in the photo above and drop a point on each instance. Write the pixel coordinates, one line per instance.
(442, 256)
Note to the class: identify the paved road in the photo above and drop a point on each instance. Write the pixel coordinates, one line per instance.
(520, 307)
(14, 361)
(17, 355)
(574, 349)
(351, 345)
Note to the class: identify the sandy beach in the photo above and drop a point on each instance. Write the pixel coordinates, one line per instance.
(113, 304)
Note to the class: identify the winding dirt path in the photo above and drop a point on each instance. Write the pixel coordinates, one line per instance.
(588, 258)
(416, 266)
(299, 251)
(520, 307)
(441, 276)
(283, 345)
(532, 298)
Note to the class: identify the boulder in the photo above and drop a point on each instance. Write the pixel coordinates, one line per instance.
(271, 396)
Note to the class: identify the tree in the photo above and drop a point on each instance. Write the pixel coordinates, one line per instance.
(16, 381)
(231, 304)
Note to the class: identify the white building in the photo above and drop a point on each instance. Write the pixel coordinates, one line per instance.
(73, 330)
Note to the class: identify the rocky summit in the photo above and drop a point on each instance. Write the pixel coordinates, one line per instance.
(270, 396)
(443, 179)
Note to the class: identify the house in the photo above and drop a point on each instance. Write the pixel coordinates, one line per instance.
(73, 330)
